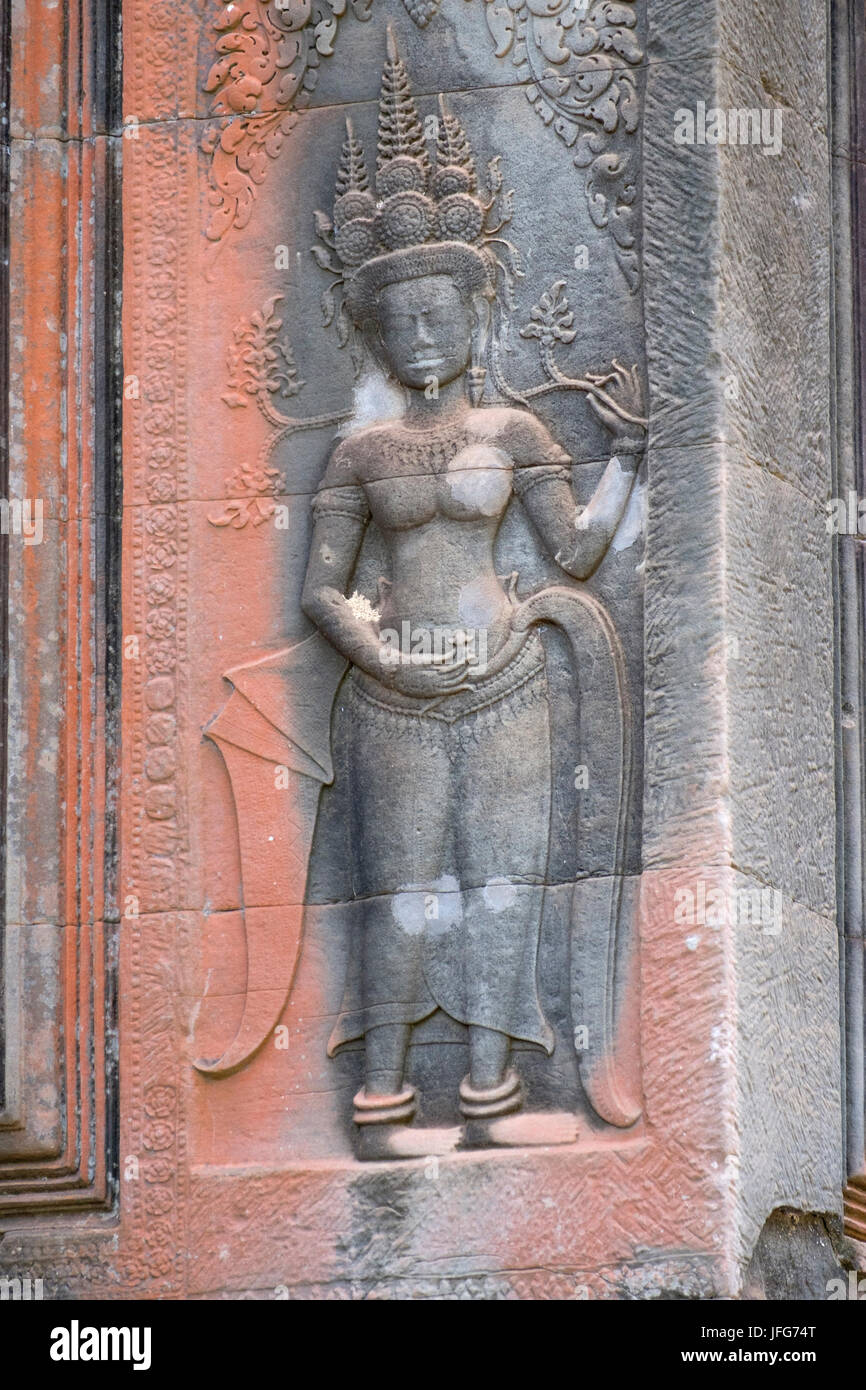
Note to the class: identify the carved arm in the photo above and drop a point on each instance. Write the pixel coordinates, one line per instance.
(578, 537)
(333, 553)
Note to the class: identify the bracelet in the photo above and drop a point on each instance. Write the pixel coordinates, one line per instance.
(629, 446)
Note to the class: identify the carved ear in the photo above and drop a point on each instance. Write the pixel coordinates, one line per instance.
(372, 339)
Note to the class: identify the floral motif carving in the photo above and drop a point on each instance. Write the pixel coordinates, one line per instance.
(580, 61)
(252, 492)
(551, 322)
(161, 218)
(262, 368)
(261, 363)
(267, 67)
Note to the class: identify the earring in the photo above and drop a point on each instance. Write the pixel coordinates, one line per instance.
(475, 379)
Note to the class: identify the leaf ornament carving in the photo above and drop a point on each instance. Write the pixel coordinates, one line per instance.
(262, 369)
(266, 68)
(261, 363)
(579, 58)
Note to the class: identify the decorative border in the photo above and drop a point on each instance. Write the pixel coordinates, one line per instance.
(159, 214)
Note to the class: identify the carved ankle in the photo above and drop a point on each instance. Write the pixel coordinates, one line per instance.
(483, 1103)
(385, 1110)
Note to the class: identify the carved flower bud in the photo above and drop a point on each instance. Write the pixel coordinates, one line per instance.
(451, 179)
(352, 205)
(405, 220)
(422, 11)
(460, 218)
(404, 174)
(356, 241)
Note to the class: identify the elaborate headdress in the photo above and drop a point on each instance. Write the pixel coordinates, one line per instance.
(426, 218)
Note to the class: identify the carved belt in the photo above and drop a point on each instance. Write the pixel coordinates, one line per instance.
(524, 664)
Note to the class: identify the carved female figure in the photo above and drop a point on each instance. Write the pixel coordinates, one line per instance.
(448, 750)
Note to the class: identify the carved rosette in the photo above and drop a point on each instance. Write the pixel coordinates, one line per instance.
(161, 537)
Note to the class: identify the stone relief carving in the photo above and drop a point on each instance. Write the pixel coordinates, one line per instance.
(422, 11)
(160, 171)
(262, 368)
(267, 66)
(578, 61)
(442, 683)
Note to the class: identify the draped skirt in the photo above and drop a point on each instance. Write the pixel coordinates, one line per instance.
(449, 827)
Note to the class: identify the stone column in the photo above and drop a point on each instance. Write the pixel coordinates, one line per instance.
(740, 618)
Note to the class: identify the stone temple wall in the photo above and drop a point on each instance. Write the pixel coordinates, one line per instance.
(517, 340)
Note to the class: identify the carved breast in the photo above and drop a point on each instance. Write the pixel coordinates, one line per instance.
(474, 484)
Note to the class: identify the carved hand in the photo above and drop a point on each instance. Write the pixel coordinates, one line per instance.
(409, 678)
(623, 386)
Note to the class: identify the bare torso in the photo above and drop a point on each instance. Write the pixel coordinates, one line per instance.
(438, 494)
(439, 511)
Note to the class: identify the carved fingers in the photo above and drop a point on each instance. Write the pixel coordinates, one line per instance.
(617, 399)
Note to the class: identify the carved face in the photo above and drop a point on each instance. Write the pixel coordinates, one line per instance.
(425, 329)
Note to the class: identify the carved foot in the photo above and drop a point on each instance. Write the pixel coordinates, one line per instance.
(378, 1143)
(521, 1131)
(385, 1130)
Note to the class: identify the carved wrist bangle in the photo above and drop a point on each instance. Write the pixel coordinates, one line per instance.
(629, 446)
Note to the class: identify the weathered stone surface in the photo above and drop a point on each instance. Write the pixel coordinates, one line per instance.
(59, 655)
(801, 1256)
(675, 951)
(781, 743)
